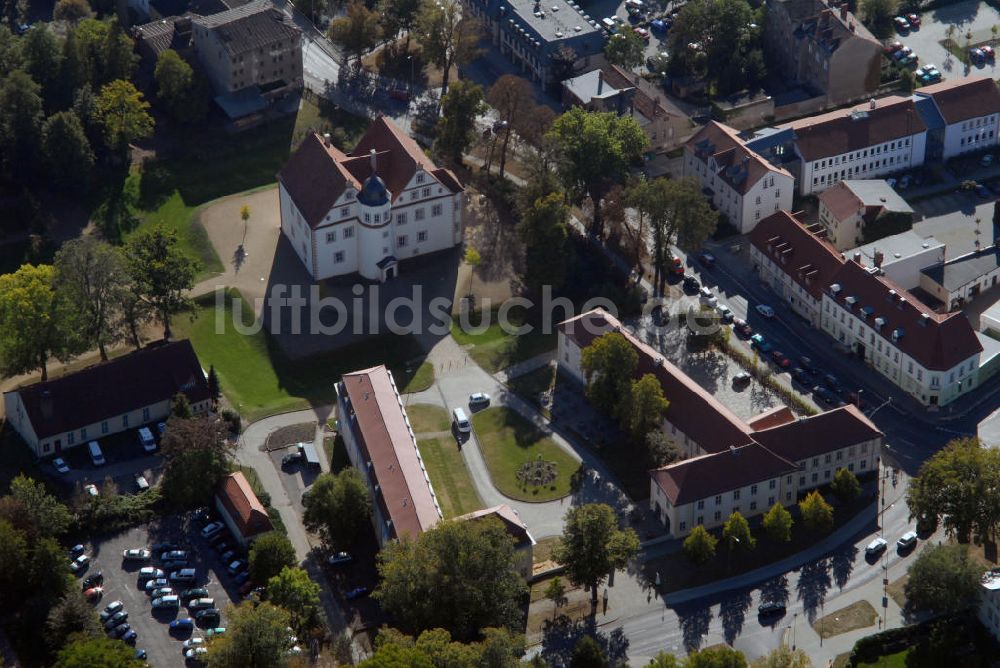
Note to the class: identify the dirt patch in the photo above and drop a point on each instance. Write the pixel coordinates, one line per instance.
(855, 616)
(290, 435)
(896, 591)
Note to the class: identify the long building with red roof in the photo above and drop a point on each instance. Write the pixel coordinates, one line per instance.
(731, 464)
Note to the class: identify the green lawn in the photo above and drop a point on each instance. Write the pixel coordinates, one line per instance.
(425, 418)
(259, 380)
(454, 488)
(336, 453)
(508, 441)
(494, 349)
(897, 660)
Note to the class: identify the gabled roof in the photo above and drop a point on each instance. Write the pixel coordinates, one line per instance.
(255, 25)
(847, 130)
(936, 341)
(110, 389)
(808, 258)
(318, 173)
(807, 437)
(243, 506)
(961, 99)
(736, 164)
(511, 521)
(379, 422)
(845, 198)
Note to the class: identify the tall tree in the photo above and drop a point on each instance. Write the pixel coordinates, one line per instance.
(459, 576)
(717, 656)
(180, 407)
(72, 614)
(399, 15)
(83, 651)
(214, 388)
(592, 546)
(91, 275)
(456, 129)
(783, 657)
(736, 533)
(10, 49)
(448, 38)
(161, 272)
(778, 523)
(72, 10)
(609, 364)
(179, 88)
(20, 123)
(588, 654)
(499, 648)
(35, 322)
(293, 590)
(645, 407)
(256, 635)
(269, 555)
(123, 114)
(660, 449)
(878, 15)
(817, 514)
(595, 149)
(67, 152)
(845, 485)
(943, 579)
(625, 49)
(42, 54)
(544, 229)
(42, 512)
(556, 592)
(338, 507)
(699, 546)
(197, 454)
(511, 96)
(358, 31)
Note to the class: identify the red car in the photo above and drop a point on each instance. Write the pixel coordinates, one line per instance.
(743, 328)
(642, 33)
(988, 51)
(780, 359)
(677, 267)
(893, 47)
(94, 594)
(914, 20)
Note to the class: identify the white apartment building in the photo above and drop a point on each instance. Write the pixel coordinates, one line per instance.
(932, 357)
(868, 142)
(739, 182)
(848, 207)
(964, 116)
(796, 261)
(731, 464)
(368, 211)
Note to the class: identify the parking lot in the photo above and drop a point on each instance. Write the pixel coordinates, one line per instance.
(122, 582)
(969, 16)
(124, 459)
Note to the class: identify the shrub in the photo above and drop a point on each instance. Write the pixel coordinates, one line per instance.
(232, 418)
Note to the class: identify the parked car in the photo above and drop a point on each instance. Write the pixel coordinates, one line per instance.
(799, 374)
(725, 313)
(195, 653)
(76, 550)
(902, 25)
(913, 20)
(771, 608)
(741, 378)
(357, 592)
(706, 259)
(658, 25)
(116, 619)
(140, 654)
(217, 631)
(80, 564)
(706, 297)
(174, 555)
(93, 580)
(236, 566)
(196, 592)
(760, 343)
(156, 583)
(983, 191)
(183, 575)
(907, 540)
(205, 616)
(642, 33)
(807, 364)
(676, 266)
(182, 624)
(94, 594)
(781, 359)
(691, 283)
(479, 399)
(170, 602)
(212, 529)
(194, 641)
(110, 609)
(242, 578)
(742, 327)
(824, 395)
(120, 630)
(91, 489)
(929, 74)
(977, 56)
(902, 53)
(988, 52)
(141, 483)
(765, 310)
(160, 592)
(201, 604)
(150, 573)
(893, 46)
(165, 546)
(60, 465)
(833, 383)
(875, 547)
(292, 458)
(339, 558)
(136, 554)
(222, 546)
(130, 637)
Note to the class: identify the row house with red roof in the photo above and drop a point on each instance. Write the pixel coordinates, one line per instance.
(367, 211)
(731, 464)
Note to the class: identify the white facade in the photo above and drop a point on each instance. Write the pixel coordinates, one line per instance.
(926, 385)
(771, 193)
(353, 238)
(871, 162)
(974, 134)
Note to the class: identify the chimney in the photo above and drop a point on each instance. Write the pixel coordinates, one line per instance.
(600, 82)
(851, 26)
(374, 163)
(857, 257)
(878, 259)
(326, 138)
(872, 103)
(843, 12)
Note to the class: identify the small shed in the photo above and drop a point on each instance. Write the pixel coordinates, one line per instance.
(309, 453)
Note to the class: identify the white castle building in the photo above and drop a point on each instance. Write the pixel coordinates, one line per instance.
(366, 211)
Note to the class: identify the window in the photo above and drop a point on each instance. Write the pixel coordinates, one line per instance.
(338, 257)
(83, 434)
(802, 480)
(421, 236)
(104, 427)
(850, 467)
(71, 438)
(816, 461)
(753, 505)
(331, 236)
(701, 519)
(401, 241)
(426, 192)
(125, 421)
(401, 218)
(418, 214)
(701, 504)
(815, 477)
(345, 211)
(718, 500)
(385, 235)
(788, 496)
(736, 495)
(771, 484)
(753, 490)
(436, 210)
(348, 232)
(683, 526)
(770, 501)
(368, 218)
(378, 218)
(420, 177)
(864, 464)
(718, 516)
(413, 195)
(788, 480)
(840, 455)
(826, 474)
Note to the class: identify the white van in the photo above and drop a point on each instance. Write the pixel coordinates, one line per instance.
(146, 439)
(96, 456)
(461, 421)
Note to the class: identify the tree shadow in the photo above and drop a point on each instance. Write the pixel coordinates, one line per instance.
(842, 565)
(732, 612)
(560, 636)
(775, 589)
(814, 581)
(694, 620)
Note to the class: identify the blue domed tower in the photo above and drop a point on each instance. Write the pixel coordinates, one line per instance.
(375, 246)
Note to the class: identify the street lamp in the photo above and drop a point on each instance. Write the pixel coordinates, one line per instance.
(409, 95)
(729, 562)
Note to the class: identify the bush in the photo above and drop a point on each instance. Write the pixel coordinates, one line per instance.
(232, 418)
(109, 514)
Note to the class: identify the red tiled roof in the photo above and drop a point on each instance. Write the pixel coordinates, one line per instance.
(648, 99)
(315, 179)
(772, 418)
(737, 165)
(243, 506)
(847, 130)
(510, 519)
(810, 436)
(965, 98)
(382, 428)
(936, 341)
(703, 477)
(840, 200)
(110, 389)
(406, 154)
(693, 410)
(809, 260)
